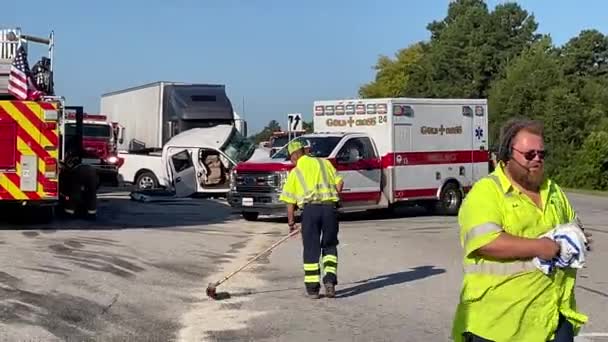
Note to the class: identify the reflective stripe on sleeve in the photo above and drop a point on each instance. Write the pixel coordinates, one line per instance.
(481, 229)
(289, 195)
(509, 268)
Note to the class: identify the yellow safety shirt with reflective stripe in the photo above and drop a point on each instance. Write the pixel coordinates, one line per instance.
(311, 180)
(512, 300)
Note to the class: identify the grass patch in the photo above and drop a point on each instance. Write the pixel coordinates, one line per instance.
(587, 192)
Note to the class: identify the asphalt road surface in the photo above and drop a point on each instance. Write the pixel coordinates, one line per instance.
(140, 272)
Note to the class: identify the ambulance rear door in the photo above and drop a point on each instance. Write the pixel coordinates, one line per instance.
(479, 139)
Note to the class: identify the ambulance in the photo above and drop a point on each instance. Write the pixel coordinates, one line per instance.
(390, 151)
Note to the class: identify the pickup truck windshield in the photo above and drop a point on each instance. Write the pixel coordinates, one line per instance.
(238, 148)
(319, 147)
(280, 141)
(90, 130)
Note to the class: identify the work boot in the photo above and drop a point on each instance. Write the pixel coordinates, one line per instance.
(313, 295)
(312, 292)
(330, 290)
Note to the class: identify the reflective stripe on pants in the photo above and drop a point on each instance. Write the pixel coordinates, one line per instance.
(320, 237)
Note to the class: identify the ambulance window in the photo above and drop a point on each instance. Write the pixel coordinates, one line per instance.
(357, 149)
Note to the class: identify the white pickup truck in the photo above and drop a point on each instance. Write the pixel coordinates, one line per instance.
(198, 160)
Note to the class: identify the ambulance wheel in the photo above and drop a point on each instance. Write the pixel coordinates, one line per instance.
(450, 199)
(250, 216)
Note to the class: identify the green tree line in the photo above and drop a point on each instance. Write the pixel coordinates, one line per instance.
(475, 52)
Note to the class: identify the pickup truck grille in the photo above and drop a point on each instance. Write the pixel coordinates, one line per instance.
(257, 182)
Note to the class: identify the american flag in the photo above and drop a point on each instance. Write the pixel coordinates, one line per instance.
(20, 82)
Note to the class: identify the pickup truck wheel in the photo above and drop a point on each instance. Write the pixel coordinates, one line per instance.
(450, 199)
(146, 180)
(250, 216)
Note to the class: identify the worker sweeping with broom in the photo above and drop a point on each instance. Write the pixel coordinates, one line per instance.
(314, 185)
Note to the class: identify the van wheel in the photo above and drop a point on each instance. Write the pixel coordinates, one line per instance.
(250, 216)
(450, 199)
(146, 180)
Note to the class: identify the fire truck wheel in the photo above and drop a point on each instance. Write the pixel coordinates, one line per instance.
(250, 216)
(146, 180)
(86, 179)
(450, 199)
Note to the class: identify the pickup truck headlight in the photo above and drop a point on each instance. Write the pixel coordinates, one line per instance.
(233, 180)
(282, 177)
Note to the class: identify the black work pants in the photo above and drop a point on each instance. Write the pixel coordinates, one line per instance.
(320, 237)
(564, 333)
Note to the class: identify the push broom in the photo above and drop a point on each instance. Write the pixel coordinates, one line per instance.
(211, 289)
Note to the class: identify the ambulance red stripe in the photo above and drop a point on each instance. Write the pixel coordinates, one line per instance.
(435, 158)
(390, 159)
(419, 193)
(360, 196)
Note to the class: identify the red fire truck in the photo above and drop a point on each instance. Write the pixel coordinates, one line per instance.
(99, 145)
(39, 167)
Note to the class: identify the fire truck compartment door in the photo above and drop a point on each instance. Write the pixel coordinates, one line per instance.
(183, 173)
(359, 165)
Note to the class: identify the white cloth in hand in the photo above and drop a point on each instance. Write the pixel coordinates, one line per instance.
(573, 245)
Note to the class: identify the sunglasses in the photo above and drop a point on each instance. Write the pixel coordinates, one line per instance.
(530, 155)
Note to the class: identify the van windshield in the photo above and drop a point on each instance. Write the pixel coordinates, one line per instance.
(319, 147)
(280, 141)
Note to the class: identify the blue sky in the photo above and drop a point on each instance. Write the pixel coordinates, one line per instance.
(279, 56)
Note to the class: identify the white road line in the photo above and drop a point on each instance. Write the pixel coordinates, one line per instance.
(588, 337)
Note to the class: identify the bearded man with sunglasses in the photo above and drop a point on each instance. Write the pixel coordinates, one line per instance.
(504, 296)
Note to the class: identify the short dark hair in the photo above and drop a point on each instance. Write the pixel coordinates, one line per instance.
(510, 129)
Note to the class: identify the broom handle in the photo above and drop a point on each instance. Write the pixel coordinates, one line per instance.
(259, 255)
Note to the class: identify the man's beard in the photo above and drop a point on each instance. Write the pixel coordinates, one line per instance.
(530, 180)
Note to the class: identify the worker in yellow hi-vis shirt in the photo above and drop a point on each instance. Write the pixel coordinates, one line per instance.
(505, 296)
(314, 185)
